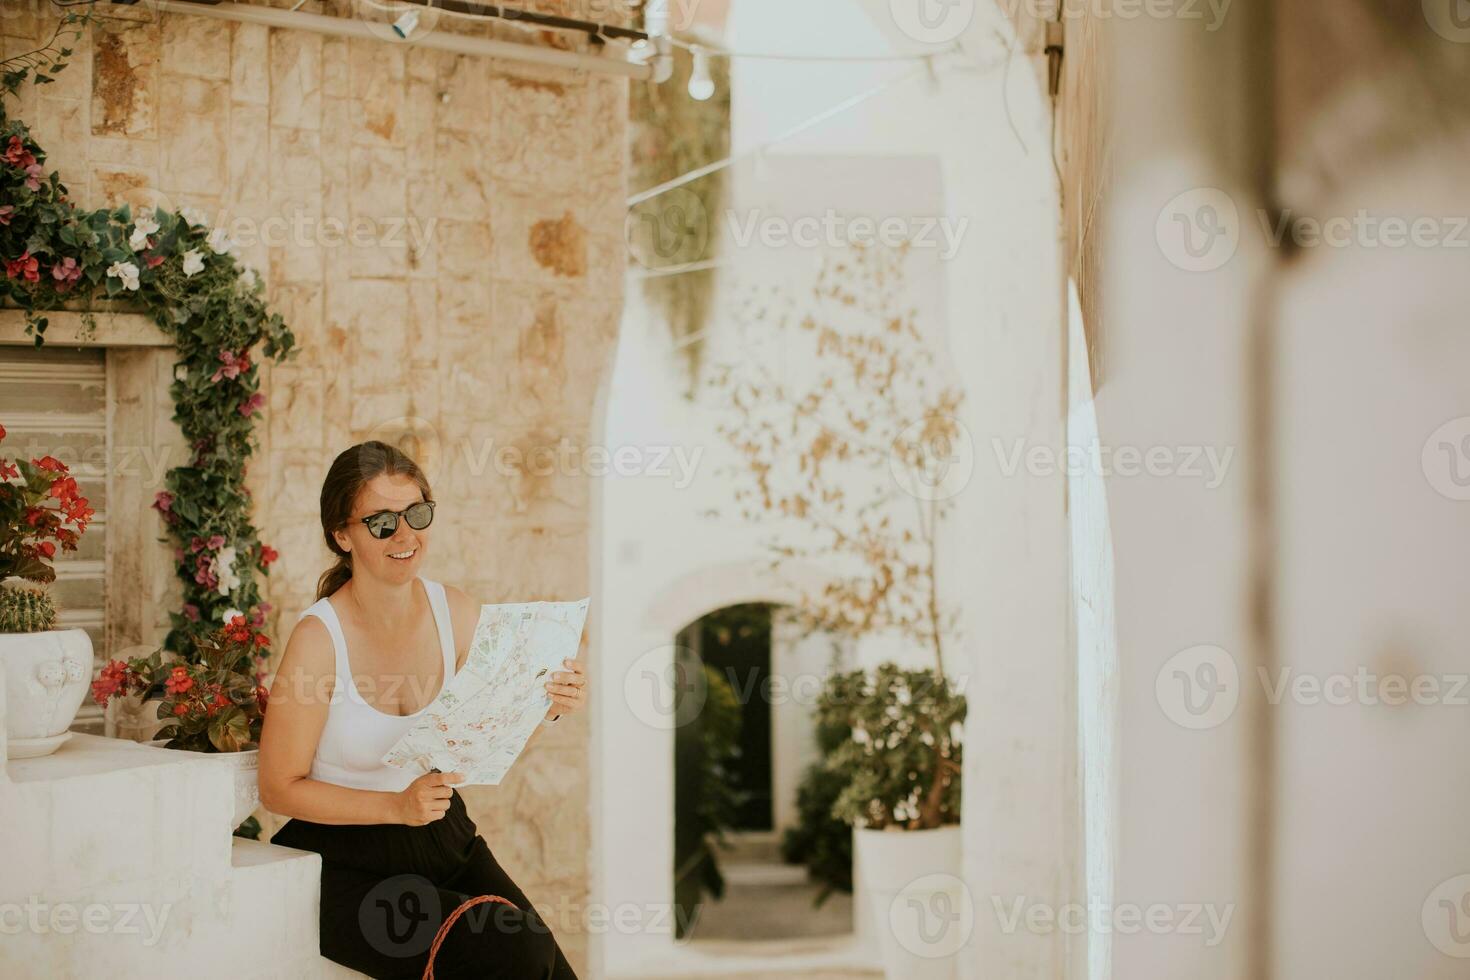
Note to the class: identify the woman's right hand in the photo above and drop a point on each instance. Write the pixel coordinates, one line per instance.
(427, 798)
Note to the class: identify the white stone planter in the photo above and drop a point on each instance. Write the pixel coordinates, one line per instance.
(917, 899)
(246, 769)
(46, 678)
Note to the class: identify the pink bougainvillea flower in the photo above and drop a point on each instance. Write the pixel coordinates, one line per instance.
(66, 273)
(215, 542)
(34, 173)
(153, 261)
(252, 404)
(232, 363)
(163, 501)
(192, 612)
(26, 267)
(6, 213)
(17, 155)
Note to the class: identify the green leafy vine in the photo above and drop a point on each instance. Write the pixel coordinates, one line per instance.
(182, 274)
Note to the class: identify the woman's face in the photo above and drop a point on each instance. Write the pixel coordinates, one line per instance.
(373, 556)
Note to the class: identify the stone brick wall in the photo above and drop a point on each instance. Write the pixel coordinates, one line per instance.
(444, 235)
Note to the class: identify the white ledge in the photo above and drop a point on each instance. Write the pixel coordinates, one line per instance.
(65, 327)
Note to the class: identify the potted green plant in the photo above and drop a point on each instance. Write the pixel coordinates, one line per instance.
(851, 465)
(212, 702)
(46, 669)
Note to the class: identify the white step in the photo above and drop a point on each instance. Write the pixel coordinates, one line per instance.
(102, 811)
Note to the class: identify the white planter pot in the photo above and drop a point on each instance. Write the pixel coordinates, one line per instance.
(245, 767)
(918, 903)
(46, 678)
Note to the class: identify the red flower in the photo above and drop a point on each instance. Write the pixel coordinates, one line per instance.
(268, 555)
(154, 261)
(178, 681)
(8, 469)
(261, 640)
(2, 432)
(181, 709)
(114, 676)
(26, 267)
(47, 548)
(49, 463)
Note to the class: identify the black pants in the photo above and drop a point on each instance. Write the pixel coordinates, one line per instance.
(387, 888)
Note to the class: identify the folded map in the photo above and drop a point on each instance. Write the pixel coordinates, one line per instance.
(482, 719)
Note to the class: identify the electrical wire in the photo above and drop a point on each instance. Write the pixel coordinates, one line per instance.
(695, 46)
(794, 131)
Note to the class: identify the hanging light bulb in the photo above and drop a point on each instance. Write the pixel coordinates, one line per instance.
(701, 84)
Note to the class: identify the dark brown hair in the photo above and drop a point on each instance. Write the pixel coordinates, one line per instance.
(349, 472)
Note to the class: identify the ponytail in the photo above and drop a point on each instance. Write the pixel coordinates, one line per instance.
(335, 577)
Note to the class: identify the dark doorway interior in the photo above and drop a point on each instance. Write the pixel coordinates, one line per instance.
(736, 642)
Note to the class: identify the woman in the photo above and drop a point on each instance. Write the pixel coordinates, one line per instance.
(399, 852)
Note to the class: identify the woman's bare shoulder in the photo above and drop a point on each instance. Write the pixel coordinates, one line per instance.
(464, 613)
(309, 647)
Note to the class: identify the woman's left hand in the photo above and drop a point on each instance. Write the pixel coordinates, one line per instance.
(568, 688)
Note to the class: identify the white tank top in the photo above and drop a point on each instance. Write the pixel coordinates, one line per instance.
(357, 735)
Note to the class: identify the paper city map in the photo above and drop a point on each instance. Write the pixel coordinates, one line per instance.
(481, 721)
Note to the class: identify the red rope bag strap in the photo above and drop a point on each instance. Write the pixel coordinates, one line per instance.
(453, 916)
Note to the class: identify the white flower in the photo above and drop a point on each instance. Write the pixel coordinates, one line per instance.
(193, 216)
(231, 614)
(125, 271)
(224, 567)
(142, 228)
(193, 261)
(220, 242)
(248, 277)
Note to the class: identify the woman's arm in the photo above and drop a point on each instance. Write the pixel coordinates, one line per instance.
(294, 719)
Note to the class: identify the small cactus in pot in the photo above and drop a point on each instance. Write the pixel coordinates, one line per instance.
(26, 611)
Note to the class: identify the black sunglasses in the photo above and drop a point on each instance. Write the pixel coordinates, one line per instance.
(383, 523)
